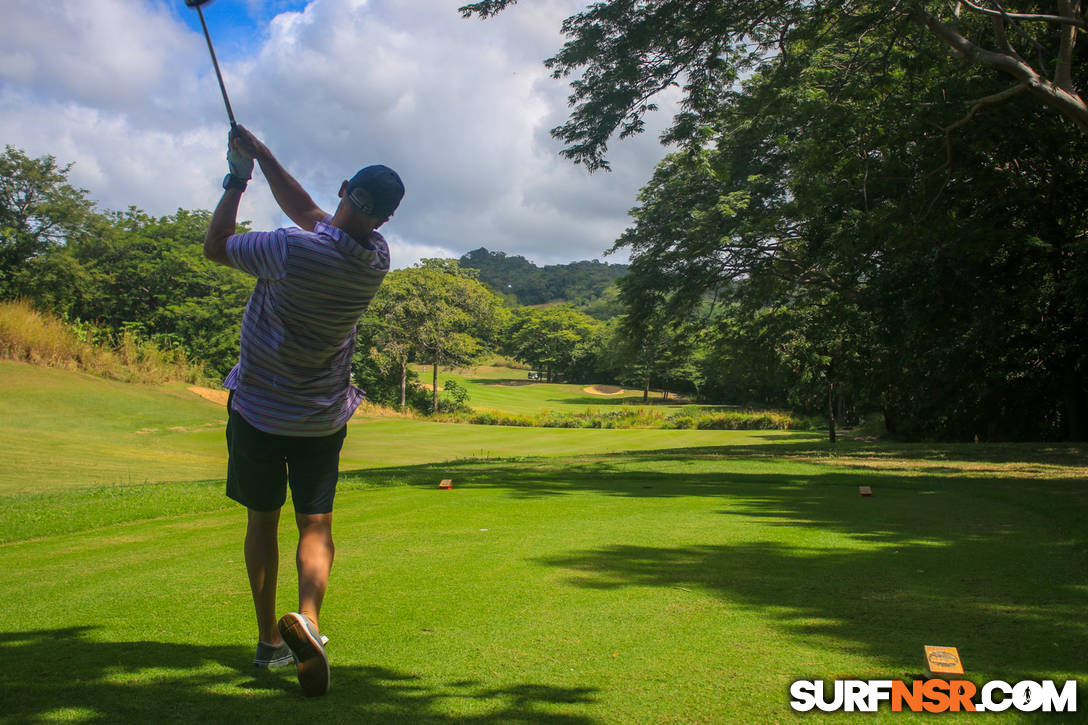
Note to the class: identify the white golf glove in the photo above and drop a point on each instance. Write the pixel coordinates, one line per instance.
(241, 166)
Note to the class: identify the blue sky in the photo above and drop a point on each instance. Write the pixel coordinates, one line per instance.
(237, 27)
(124, 90)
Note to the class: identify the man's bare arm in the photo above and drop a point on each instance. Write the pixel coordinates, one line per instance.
(289, 194)
(223, 224)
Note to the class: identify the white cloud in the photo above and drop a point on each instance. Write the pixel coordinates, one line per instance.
(461, 108)
(105, 53)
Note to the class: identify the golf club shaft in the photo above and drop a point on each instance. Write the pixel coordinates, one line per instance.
(223, 88)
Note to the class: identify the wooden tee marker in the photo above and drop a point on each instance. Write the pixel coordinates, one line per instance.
(865, 491)
(446, 484)
(943, 660)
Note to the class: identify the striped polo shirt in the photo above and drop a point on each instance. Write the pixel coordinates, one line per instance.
(293, 375)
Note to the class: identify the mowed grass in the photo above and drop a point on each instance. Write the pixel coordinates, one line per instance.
(669, 584)
(60, 429)
(509, 390)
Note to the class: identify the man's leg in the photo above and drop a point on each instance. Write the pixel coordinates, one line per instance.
(314, 561)
(299, 629)
(262, 563)
(312, 466)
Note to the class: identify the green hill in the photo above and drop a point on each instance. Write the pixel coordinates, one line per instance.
(587, 284)
(60, 428)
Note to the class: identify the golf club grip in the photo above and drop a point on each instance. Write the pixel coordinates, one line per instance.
(215, 64)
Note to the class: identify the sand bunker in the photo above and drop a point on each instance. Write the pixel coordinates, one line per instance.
(604, 390)
(215, 395)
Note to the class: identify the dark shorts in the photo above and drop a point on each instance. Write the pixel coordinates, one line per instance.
(260, 465)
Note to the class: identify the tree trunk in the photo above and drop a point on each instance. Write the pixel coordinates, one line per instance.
(403, 381)
(831, 411)
(434, 387)
(646, 389)
(889, 411)
(1076, 402)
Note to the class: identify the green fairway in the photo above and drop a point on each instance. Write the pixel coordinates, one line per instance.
(510, 390)
(606, 577)
(60, 429)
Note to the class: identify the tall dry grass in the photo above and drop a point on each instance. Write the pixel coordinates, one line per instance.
(29, 335)
(368, 409)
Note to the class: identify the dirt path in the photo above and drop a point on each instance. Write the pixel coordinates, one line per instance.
(216, 395)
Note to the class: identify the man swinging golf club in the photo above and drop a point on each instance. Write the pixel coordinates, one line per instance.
(290, 393)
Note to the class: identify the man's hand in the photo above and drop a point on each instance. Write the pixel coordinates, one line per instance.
(243, 141)
(240, 155)
(241, 166)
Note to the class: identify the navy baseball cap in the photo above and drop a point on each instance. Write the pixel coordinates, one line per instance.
(376, 191)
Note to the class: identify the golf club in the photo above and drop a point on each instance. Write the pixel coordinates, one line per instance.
(196, 4)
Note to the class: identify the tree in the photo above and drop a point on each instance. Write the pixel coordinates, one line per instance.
(151, 273)
(551, 339)
(128, 271)
(856, 182)
(658, 330)
(1057, 40)
(437, 310)
(623, 54)
(39, 210)
(461, 316)
(741, 363)
(657, 348)
(392, 322)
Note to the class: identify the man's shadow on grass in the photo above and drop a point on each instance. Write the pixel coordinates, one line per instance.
(67, 674)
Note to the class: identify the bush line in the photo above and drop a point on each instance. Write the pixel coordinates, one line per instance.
(637, 418)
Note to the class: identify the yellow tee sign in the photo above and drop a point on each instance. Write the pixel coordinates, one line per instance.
(943, 660)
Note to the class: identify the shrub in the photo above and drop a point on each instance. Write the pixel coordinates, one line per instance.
(634, 417)
(750, 420)
(454, 398)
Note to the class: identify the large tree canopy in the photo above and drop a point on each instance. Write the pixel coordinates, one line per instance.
(887, 220)
(623, 53)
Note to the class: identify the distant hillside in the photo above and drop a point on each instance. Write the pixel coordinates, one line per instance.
(584, 284)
